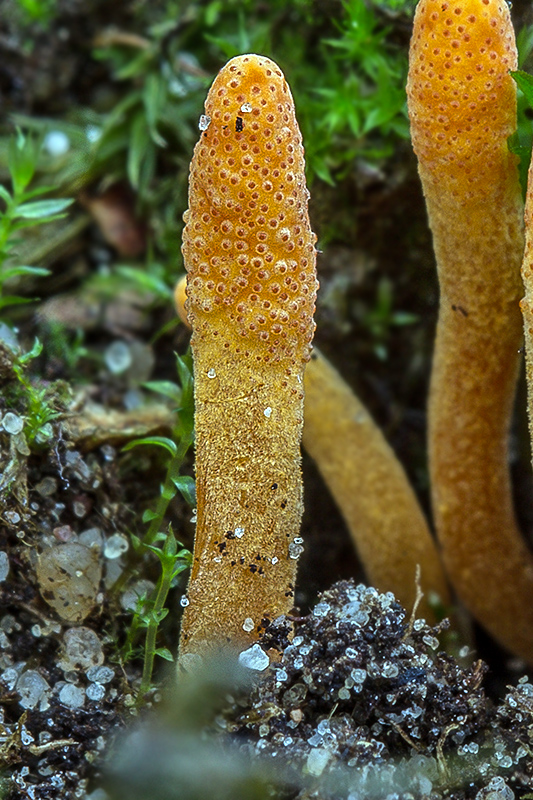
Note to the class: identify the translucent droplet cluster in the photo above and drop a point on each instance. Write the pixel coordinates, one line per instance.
(247, 243)
(461, 96)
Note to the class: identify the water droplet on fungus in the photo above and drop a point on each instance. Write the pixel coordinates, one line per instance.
(204, 122)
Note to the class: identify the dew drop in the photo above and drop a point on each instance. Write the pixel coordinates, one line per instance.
(267, 412)
(246, 108)
(204, 122)
(211, 373)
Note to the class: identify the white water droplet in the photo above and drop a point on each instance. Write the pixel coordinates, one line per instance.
(267, 412)
(56, 143)
(204, 122)
(248, 625)
(246, 108)
(239, 533)
(118, 357)
(211, 373)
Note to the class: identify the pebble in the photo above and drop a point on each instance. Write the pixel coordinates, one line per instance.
(4, 566)
(9, 337)
(12, 423)
(254, 658)
(69, 579)
(32, 687)
(56, 143)
(116, 545)
(82, 649)
(141, 588)
(47, 487)
(92, 538)
(100, 674)
(95, 692)
(317, 761)
(72, 696)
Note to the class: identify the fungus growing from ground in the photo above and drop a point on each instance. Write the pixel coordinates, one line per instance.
(462, 107)
(367, 482)
(526, 304)
(370, 488)
(250, 256)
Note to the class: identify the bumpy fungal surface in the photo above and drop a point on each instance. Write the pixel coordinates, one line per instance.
(462, 108)
(462, 100)
(250, 257)
(247, 244)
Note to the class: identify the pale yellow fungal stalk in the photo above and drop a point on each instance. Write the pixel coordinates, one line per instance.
(371, 489)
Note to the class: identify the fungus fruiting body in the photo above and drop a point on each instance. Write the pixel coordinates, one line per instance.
(368, 483)
(526, 304)
(250, 256)
(371, 489)
(462, 107)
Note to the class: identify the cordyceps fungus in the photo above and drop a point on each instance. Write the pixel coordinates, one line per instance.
(371, 489)
(250, 256)
(526, 304)
(462, 107)
(369, 485)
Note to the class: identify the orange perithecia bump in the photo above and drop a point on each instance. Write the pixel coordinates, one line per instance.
(250, 257)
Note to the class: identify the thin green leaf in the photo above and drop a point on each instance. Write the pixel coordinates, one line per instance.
(185, 484)
(13, 272)
(149, 515)
(13, 300)
(23, 222)
(524, 81)
(35, 351)
(4, 194)
(41, 208)
(158, 441)
(164, 652)
(140, 137)
(22, 160)
(166, 388)
(146, 281)
(154, 98)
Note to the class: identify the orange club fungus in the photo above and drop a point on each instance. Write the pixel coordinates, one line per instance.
(462, 108)
(250, 257)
